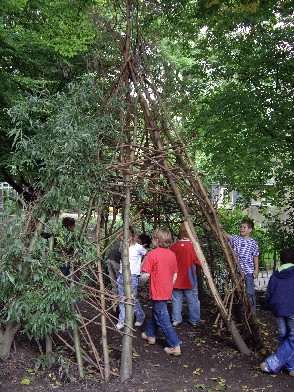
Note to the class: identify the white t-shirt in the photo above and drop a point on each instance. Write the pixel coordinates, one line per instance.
(136, 252)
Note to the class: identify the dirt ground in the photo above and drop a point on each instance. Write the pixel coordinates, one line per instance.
(209, 362)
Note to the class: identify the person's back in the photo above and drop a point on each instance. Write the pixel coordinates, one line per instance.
(280, 290)
(161, 264)
(186, 285)
(280, 296)
(187, 261)
(114, 253)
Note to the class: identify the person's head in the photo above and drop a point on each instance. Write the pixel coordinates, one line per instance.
(145, 240)
(183, 232)
(68, 223)
(287, 256)
(246, 227)
(161, 238)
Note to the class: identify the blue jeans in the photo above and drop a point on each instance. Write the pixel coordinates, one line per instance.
(249, 280)
(193, 303)
(160, 318)
(139, 312)
(284, 357)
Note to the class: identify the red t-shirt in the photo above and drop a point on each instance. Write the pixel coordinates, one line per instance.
(186, 261)
(161, 264)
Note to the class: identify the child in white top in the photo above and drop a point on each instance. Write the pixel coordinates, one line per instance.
(136, 253)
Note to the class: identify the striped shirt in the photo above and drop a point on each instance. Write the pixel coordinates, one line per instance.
(245, 250)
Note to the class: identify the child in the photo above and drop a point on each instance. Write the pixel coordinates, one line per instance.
(113, 264)
(186, 283)
(280, 296)
(161, 265)
(136, 252)
(246, 249)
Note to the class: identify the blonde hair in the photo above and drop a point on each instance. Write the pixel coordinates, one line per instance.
(163, 236)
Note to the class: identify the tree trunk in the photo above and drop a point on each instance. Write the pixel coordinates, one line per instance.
(127, 343)
(7, 338)
(103, 302)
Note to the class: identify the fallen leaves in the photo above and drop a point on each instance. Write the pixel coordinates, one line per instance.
(197, 372)
(25, 381)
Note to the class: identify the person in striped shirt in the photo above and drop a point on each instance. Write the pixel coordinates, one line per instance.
(246, 249)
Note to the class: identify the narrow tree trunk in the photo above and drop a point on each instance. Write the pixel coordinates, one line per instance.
(103, 302)
(76, 334)
(48, 338)
(127, 343)
(49, 349)
(78, 350)
(6, 340)
(126, 367)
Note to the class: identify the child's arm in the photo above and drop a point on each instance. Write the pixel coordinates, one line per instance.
(256, 266)
(175, 277)
(227, 235)
(144, 277)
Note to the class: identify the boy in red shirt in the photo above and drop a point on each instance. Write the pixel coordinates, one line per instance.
(161, 266)
(186, 283)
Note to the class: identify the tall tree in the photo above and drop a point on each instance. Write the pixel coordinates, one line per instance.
(43, 47)
(236, 61)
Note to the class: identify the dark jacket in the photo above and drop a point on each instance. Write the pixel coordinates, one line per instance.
(280, 292)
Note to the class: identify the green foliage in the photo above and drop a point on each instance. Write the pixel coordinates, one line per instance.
(42, 47)
(68, 139)
(33, 290)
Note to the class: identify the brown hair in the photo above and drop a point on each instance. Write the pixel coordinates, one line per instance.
(287, 256)
(68, 222)
(183, 232)
(132, 235)
(248, 222)
(163, 236)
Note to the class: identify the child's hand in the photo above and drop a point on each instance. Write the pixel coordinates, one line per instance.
(255, 273)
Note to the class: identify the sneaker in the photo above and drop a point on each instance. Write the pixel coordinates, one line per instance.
(176, 323)
(149, 339)
(139, 323)
(120, 325)
(175, 351)
(264, 368)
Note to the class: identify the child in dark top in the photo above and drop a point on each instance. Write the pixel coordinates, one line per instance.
(161, 266)
(280, 297)
(113, 262)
